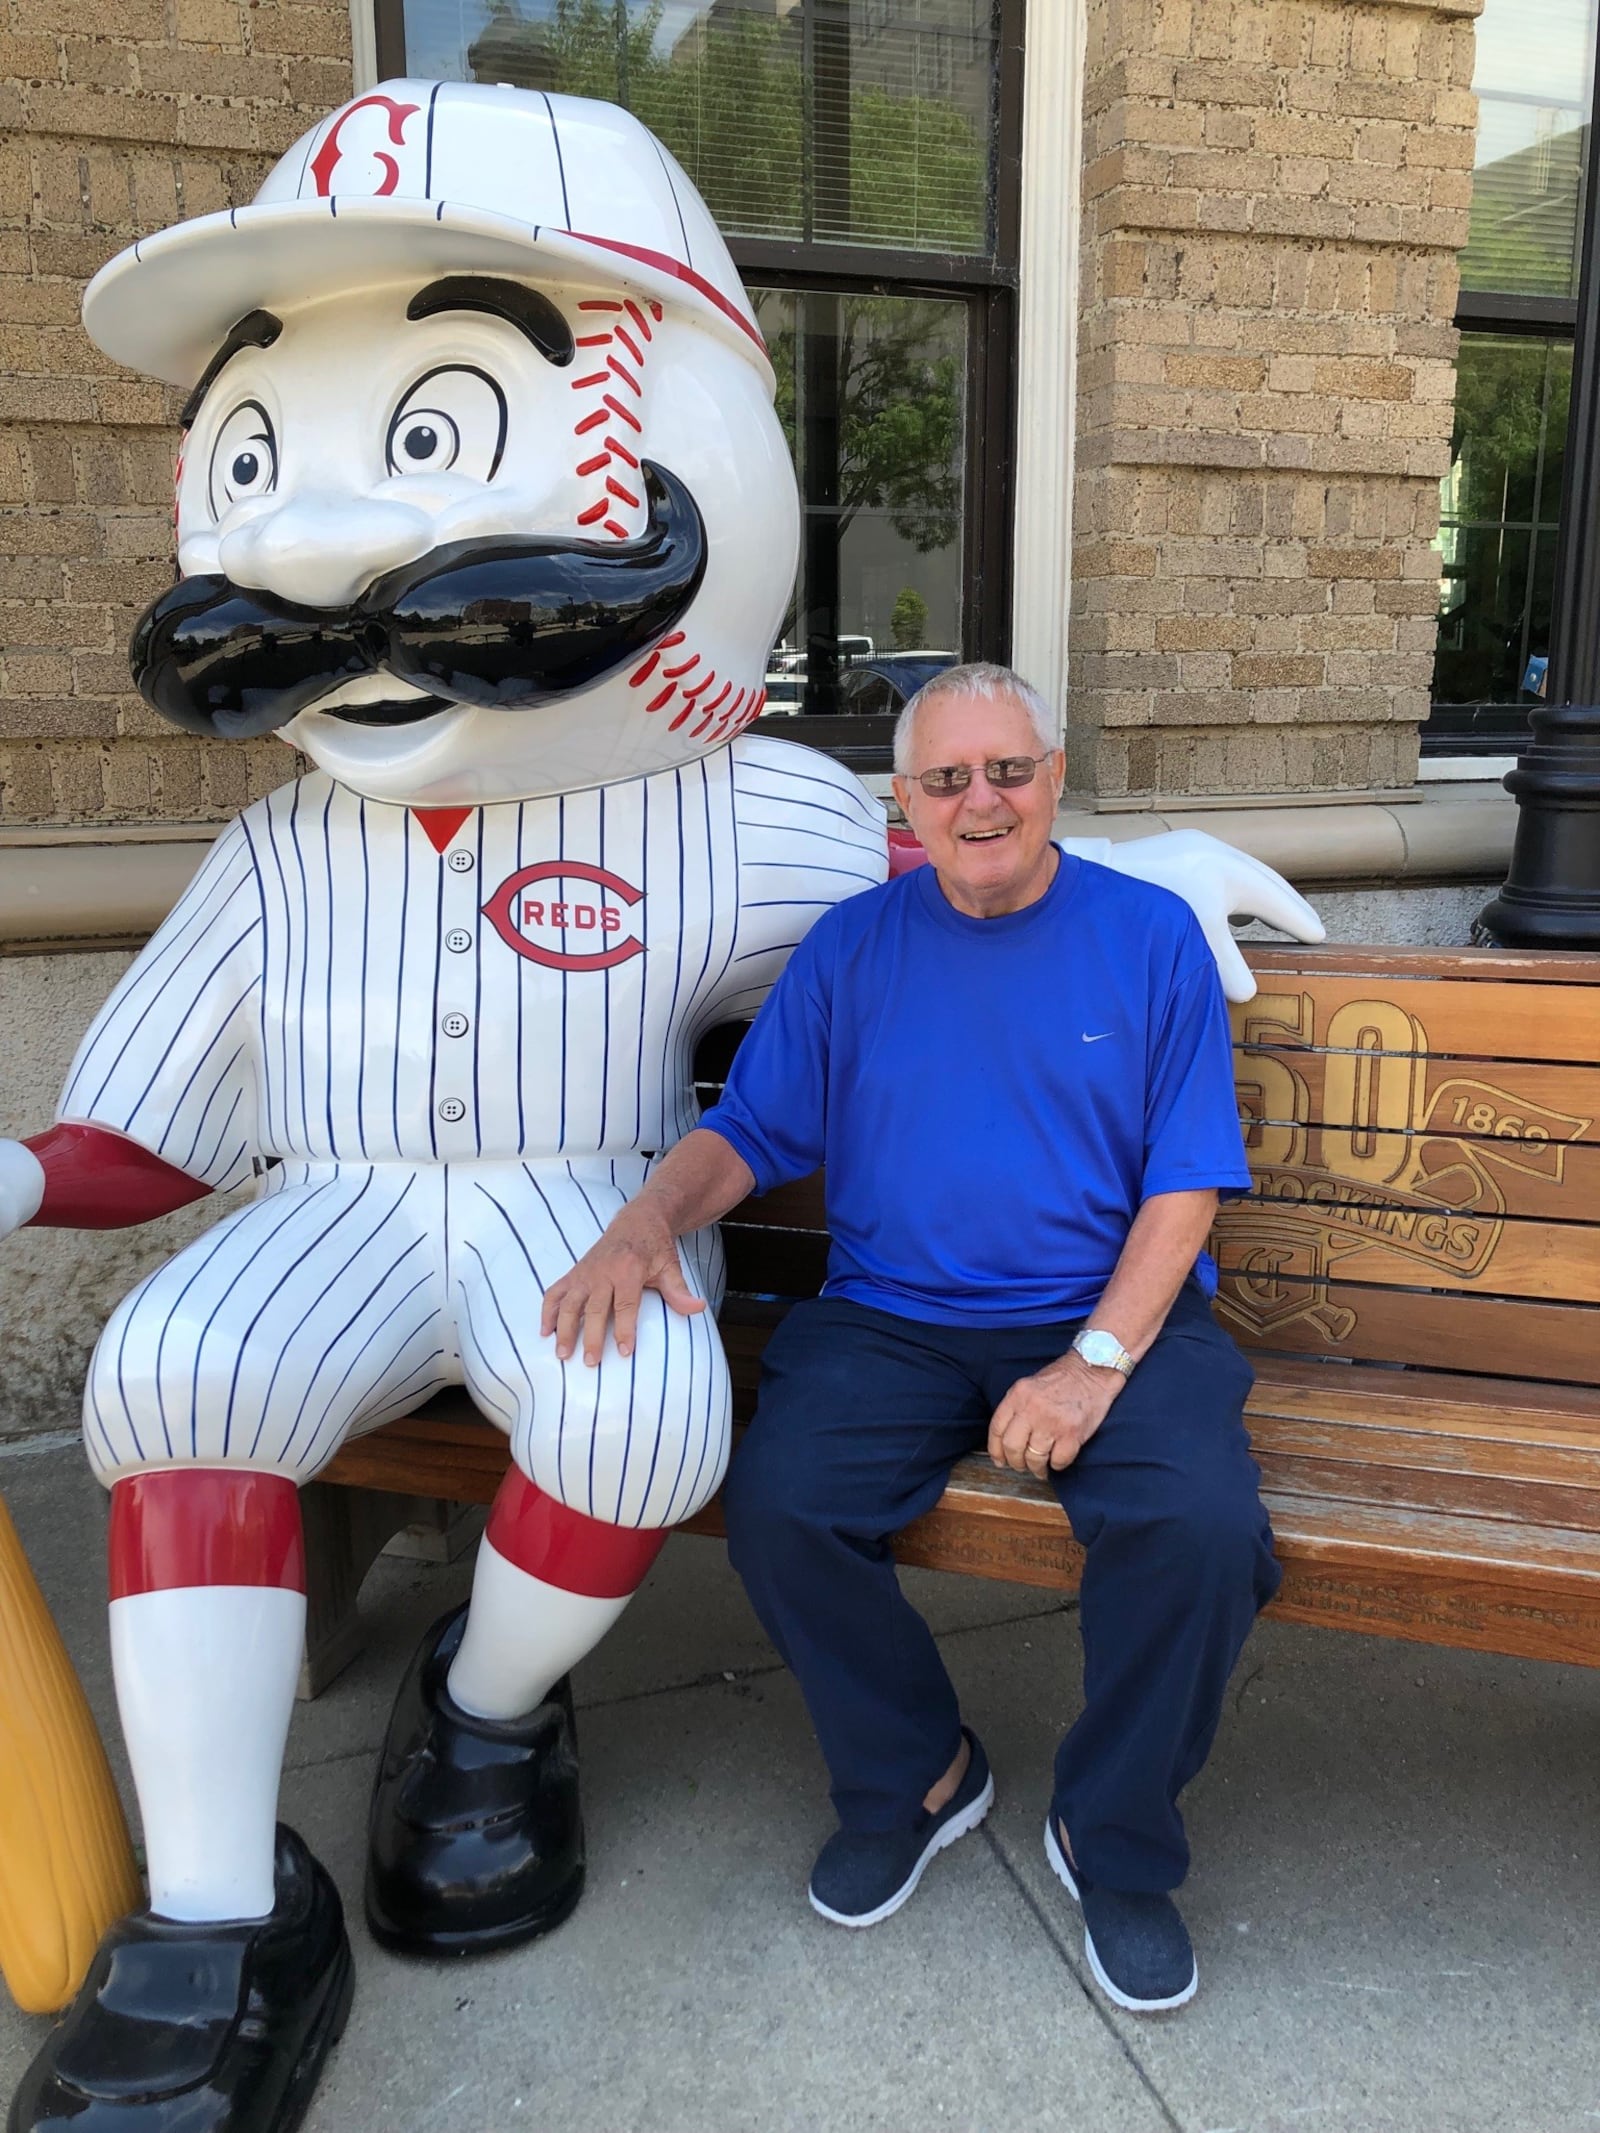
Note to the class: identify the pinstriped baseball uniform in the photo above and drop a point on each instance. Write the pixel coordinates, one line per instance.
(460, 1062)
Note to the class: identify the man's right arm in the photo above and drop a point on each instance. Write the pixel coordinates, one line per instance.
(695, 1184)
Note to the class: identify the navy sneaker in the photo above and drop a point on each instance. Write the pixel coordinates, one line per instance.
(1137, 1945)
(862, 1875)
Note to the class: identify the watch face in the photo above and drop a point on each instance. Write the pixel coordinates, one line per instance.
(1102, 1349)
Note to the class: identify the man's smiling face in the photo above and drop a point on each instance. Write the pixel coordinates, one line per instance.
(990, 848)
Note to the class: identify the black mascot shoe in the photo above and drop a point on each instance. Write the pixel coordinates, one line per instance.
(185, 2028)
(476, 1836)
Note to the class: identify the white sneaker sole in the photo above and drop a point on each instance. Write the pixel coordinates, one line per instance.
(1063, 1873)
(960, 1825)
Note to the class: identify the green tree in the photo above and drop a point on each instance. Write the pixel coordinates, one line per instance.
(899, 412)
(908, 619)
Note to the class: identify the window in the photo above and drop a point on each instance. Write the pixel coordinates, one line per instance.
(861, 159)
(1500, 501)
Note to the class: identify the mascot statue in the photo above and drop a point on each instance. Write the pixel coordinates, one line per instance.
(484, 506)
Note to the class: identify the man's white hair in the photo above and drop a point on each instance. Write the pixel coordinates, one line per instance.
(993, 683)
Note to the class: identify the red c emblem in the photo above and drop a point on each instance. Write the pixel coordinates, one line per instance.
(507, 911)
(326, 160)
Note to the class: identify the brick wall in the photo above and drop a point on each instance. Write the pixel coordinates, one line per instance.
(1274, 195)
(115, 121)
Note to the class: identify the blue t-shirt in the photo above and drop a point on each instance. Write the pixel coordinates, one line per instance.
(993, 1097)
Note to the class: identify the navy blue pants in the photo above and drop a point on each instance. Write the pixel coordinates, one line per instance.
(861, 1417)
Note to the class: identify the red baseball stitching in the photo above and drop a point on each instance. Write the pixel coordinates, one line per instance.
(612, 465)
(619, 324)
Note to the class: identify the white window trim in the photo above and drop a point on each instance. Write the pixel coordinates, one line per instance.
(363, 45)
(1047, 343)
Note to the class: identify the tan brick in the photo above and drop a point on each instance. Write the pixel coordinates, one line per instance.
(177, 783)
(57, 252)
(1365, 381)
(53, 717)
(318, 84)
(25, 793)
(96, 64)
(167, 70)
(217, 22)
(28, 578)
(36, 673)
(1251, 671)
(110, 192)
(96, 115)
(303, 32)
(45, 400)
(28, 57)
(1150, 208)
(130, 779)
(1232, 373)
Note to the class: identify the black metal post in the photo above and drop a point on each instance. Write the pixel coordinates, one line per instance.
(1551, 897)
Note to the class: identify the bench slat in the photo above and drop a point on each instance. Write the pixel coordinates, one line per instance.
(1557, 1023)
(1361, 1396)
(1554, 1262)
(1391, 1474)
(1507, 966)
(1568, 1194)
(1439, 1332)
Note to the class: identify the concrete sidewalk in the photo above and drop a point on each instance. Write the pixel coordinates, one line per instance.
(1394, 1900)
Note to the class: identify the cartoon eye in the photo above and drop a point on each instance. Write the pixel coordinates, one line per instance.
(244, 459)
(451, 421)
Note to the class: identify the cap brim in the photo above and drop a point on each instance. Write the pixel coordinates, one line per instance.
(165, 305)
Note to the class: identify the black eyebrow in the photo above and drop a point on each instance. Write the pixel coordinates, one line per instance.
(533, 315)
(257, 329)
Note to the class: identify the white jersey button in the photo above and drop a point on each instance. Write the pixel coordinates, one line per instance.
(458, 940)
(455, 1025)
(460, 862)
(451, 1109)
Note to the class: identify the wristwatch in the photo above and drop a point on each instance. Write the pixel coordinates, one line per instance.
(1102, 1350)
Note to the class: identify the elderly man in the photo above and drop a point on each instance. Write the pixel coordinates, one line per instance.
(1016, 1066)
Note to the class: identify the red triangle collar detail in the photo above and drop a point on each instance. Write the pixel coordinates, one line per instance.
(441, 823)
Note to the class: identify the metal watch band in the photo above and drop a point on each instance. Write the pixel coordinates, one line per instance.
(1122, 1361)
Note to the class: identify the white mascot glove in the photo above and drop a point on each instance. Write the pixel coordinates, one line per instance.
(21, 1186)
(1217, 882)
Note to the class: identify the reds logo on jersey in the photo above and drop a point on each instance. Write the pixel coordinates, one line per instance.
(362, 163)
(568, 915)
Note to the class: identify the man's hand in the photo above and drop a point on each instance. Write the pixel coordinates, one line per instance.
(636, 1253)
(1045, 1421)
(1216, 881)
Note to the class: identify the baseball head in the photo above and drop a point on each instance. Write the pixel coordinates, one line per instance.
(482, 495)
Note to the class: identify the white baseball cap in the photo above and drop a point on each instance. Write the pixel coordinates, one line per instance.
(417, 179)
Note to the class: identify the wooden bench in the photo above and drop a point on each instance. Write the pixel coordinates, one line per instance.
(1416, 1277)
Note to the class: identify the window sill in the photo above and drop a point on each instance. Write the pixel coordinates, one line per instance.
(70, 890)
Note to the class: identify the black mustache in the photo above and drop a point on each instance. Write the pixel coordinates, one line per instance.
(506, 622)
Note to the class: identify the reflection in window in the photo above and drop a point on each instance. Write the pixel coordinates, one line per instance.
(1534, 76)
(872, 394)
(1497, 532)
(840, 121)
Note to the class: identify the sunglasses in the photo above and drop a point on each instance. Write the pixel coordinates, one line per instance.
(1006, 772)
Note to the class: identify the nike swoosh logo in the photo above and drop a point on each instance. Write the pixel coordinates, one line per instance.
(1100, 1039)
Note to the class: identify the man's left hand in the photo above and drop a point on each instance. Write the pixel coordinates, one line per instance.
(1045, 1421)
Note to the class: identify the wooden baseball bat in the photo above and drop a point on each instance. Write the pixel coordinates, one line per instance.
(66, 1865)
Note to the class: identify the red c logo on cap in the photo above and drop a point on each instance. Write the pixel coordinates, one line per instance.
(326, 160)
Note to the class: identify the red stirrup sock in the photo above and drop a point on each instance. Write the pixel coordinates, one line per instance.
(208, 1618)
(550, 1582)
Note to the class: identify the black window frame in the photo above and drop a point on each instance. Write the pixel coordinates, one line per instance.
(986, 285)
(1501, 729)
